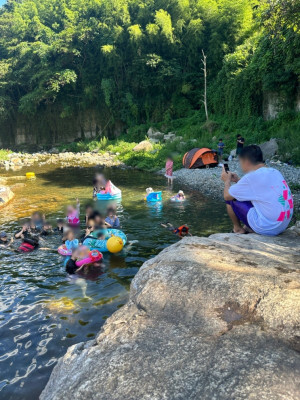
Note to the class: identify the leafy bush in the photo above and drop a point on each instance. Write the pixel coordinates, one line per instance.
(4, 154)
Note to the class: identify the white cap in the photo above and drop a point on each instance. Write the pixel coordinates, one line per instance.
(180, 192)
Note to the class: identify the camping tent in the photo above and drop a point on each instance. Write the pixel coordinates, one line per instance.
(199, 158)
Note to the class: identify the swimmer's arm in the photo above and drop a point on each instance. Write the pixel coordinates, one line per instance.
(19, 234)
(47, 249)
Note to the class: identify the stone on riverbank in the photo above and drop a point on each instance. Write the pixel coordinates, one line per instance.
(208, 318)
(269, 148)
(17, 161)
(6, 195)
(145, 145)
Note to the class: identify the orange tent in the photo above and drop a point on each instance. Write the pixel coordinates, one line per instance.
(199, 158)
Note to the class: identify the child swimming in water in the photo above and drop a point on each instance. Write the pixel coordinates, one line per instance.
(37, 220)
(180, 195)
(4, 240)
(59, 226)
(88, 212)
(47, 229)
(73, 213)
(112, 221)
(71, 266)
(181, 231)
(71, 242)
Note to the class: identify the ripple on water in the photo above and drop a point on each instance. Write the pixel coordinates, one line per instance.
(43, 311)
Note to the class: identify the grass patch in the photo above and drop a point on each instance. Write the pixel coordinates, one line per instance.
(192, 132)
(4, 154)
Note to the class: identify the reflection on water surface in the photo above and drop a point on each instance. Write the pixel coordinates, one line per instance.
(42, 311)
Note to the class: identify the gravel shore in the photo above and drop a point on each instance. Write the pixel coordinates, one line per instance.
(208, 181)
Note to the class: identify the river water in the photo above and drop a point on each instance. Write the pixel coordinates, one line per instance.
(42, 310)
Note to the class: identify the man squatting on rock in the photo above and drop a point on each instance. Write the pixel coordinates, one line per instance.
(261, 200)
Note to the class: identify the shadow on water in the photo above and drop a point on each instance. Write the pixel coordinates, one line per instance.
(42, 310)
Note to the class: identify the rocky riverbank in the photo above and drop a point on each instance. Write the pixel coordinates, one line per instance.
(210, 318)
(17, 161)
(208, 181)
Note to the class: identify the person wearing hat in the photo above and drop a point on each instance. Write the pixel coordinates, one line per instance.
(180, 195)
(4, 241)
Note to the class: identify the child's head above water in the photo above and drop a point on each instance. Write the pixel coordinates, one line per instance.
(3, 237)
(111, 211)
(90, 223)
(149, 190)
(36, 216)
(180, 193)
(71, 209)
(47, 226)
(70, 235)
(89, 210)
(60, 223)
(98, 219)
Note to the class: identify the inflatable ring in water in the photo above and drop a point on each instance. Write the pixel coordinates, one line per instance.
(94, 256)
(177, 199)
(154, 196)
(101, 244)
(107, 196)
(64, 251)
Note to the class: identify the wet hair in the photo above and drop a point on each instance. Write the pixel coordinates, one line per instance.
(170, 157)
(96, 214)
(89, 206)
(252, 153)
(60, 221)
(185, 229)
(239, 135)
(220, 140)
(111, 210)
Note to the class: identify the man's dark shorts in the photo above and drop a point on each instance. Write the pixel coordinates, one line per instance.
(241, 209)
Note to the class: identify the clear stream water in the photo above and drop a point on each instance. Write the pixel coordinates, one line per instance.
(42, 310)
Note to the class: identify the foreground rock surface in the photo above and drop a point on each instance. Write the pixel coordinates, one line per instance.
(208, 318)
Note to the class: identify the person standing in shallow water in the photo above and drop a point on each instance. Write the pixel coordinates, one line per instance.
(169, 169)
(261, 200)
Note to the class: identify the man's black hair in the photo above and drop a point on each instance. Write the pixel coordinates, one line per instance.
(220, 139)
(252, 153)
(238, 135)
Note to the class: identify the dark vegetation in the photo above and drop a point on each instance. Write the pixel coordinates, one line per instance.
(138, 63)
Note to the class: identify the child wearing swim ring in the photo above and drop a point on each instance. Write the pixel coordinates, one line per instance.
(71, 242)
(180, 196)
(73, 213)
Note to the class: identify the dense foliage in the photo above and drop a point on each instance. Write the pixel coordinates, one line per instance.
(140, 60)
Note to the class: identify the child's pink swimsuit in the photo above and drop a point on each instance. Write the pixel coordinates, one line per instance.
(73, 218)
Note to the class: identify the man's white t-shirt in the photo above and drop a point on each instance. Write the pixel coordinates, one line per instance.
(271, 197)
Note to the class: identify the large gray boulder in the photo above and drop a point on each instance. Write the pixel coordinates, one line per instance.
(208, 318)
(145, 145)
(6, 195)
(269, 148)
